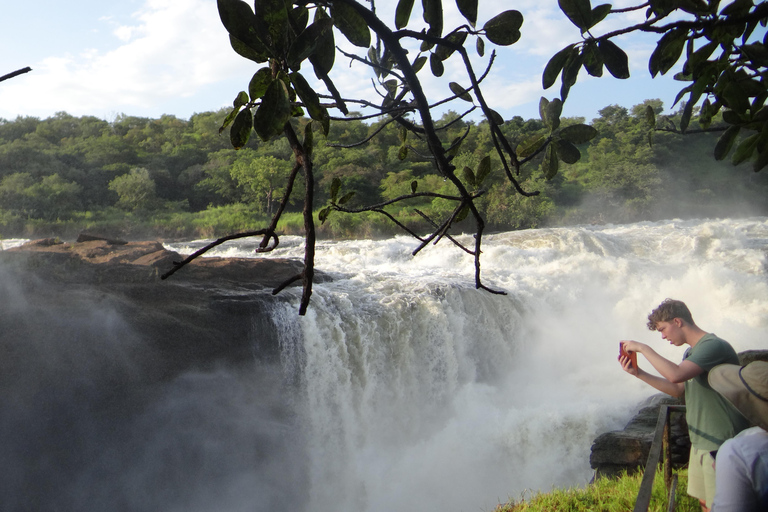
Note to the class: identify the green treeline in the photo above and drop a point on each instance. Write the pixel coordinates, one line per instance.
(137, 177)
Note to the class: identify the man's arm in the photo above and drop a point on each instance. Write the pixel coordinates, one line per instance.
(672, 381)
(675, 389)
(675, 373)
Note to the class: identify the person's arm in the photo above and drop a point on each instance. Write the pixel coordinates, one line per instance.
(675, 373)
(660, 383)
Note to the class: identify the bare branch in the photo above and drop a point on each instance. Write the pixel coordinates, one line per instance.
(15, 73)
(179, 264)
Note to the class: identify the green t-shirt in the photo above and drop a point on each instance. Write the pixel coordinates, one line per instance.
(711, 418)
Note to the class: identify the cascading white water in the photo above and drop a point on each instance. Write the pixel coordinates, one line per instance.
(418, 392)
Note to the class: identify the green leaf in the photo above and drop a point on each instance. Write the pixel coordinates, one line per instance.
(567, 152)
(237, 17)
(307, 41)
(495, 117)
(436, 65)
(346, 197)
(462, 214)
(433, 16)
(685, 117)
(483, 170)
(414, 186)
(300, 16)
(555, 66)
(705, 114)
(745, 149)
(593, 61)
(402, 134)
(480, 46)
(240, 100)
(403, 13)
(335, 187)
(325, 49)
(275, 110)
(308, 97)
(578, 11)
(550, 164)
(247, 51)
(504, 29)
(402, 153)
(570, 72)
(529, 146)
(241, 129)
(323, 215)
(419, 63)
(550, 112)
(469, 176)
(731, 117)
(667, 52)
(351, 24)
(271, 24)
(259, 83)
(726, 141)
(228, 120)
(468, 9)
(460, 91)
(445, 51)
(599, 13)
(735, 98)
(614, 58)
(578, 133)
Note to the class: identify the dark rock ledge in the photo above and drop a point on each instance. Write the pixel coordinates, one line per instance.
(212, 310)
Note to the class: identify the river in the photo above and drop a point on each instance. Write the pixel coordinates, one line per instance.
(410, 390)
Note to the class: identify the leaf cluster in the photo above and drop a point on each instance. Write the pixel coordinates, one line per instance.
(725, 64)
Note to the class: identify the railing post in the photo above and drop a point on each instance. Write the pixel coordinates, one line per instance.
(667, 450)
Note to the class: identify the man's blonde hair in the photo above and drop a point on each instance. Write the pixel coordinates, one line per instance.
(669, 310)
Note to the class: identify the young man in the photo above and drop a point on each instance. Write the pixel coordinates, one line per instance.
(711, 418)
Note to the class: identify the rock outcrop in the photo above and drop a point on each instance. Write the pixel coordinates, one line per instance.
(207, 311)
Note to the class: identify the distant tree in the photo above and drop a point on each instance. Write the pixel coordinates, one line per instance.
(50, 198)
(262, 177)
(135, 190)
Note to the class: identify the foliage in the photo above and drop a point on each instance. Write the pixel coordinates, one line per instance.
(136, 189)
(606, 495)
(279, 35)
(725, 64)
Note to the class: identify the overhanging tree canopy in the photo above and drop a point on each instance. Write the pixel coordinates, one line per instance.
(279, 36)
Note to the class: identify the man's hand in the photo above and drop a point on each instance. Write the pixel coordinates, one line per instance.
(626, 365)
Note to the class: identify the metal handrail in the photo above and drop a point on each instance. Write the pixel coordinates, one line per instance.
(661, 439)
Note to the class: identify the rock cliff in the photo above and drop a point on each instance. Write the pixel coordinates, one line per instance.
(207, 311)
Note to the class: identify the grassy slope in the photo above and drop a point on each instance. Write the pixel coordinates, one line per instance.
(605, 495)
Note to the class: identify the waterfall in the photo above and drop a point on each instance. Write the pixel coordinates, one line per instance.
(419, 392)
(404, 387)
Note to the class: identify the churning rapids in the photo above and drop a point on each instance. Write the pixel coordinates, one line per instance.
(405, 389)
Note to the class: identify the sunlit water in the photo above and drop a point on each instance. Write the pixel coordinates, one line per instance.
(410, 390)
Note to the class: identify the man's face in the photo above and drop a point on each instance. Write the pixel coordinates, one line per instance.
(671, 331)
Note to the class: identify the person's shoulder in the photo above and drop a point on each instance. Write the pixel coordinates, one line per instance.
(713, 341)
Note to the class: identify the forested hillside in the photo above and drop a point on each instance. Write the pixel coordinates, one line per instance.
(173, 178)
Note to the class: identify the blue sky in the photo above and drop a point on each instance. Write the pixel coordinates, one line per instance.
(154, 57)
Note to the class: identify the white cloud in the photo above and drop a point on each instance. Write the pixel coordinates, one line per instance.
(175, 48)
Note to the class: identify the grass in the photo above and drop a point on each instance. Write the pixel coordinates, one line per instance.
(606, 495)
